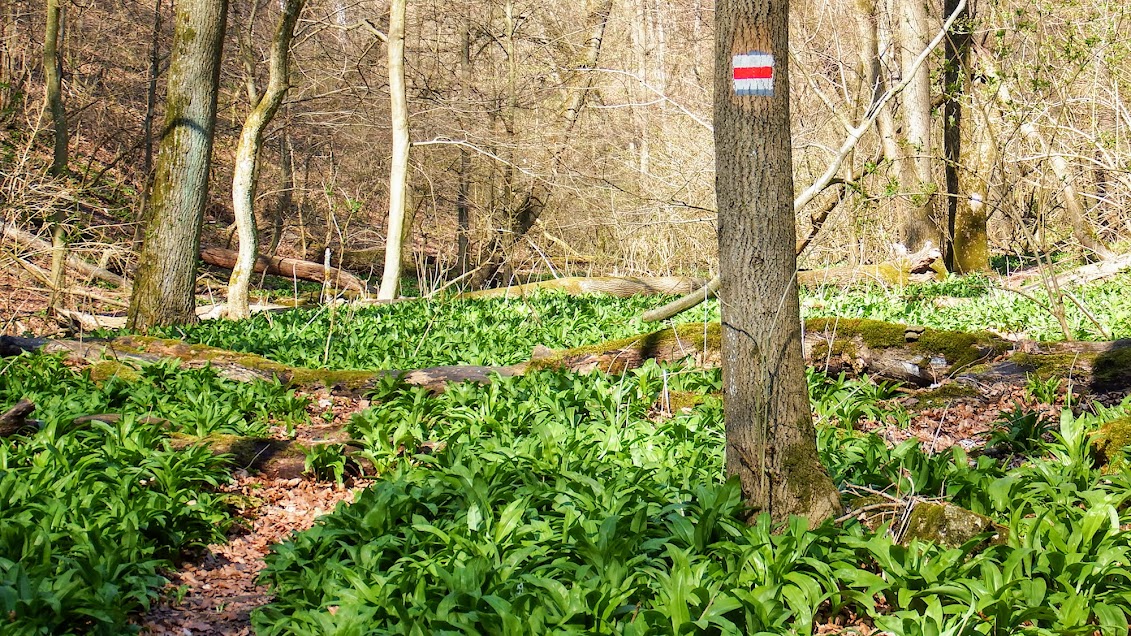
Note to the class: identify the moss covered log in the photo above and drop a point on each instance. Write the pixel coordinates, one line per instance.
(912, 355)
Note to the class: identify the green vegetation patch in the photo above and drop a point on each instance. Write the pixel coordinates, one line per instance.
(93, 514)
(424, 333)
(551, 503)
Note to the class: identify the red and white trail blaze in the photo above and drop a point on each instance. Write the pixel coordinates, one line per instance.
(754, 74)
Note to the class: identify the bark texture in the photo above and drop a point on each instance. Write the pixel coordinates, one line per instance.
(398, 169)
(53, 81)
(920, 225)
(164, 289)
(246, 173)
(771, 442)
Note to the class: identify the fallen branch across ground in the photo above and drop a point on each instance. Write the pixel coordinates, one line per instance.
(27, 241)
(898, 271)
(911, 355)
(1088, 273)
(288, 268)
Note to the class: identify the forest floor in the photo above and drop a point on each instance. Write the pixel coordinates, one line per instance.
(215, 592)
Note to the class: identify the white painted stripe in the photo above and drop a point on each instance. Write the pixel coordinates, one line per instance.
(753, 60)
(754, 84)
(760, 87)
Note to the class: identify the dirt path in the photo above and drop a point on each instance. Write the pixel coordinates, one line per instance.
(216, 594)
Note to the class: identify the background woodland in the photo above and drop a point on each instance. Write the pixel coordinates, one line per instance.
(1018, 123)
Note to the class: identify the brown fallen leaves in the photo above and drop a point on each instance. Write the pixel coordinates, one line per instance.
(216, 594)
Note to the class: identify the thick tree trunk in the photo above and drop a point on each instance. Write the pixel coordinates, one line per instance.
(920, 225)
(164, 289)
(970, 240)
(246, 172)
(287, 267)
(398, 169)
(771, 444)
(956, 54)
(165, 283)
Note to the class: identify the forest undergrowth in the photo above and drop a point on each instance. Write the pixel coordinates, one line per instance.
(555, 502)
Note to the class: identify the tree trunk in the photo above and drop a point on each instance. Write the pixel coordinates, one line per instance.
(970, 239)
(956, 53)
(398, 170)
(9, 78)
(246, 172)
(463, 212)
(151, 89)
(771, 443)
(920, 224)
(285, 206)
(53, 80)
(165, 285)
(53, 93)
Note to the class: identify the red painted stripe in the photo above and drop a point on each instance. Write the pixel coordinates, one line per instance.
(754, 72)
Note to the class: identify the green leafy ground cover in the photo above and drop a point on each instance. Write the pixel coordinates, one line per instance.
(982, 304)
(501, 332)
(425, 333)
(557, 505)
(92, 515)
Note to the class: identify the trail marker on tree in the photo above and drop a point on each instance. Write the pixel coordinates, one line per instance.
(754, 74)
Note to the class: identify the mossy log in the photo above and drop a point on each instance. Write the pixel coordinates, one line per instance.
(611, 285)
(1111, 443)
(121, 356)
(289, 268)
(912, 355)
(948, 525)
(272, 458)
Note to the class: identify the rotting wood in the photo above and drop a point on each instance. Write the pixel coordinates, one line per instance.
(15, 418)
(289, 268)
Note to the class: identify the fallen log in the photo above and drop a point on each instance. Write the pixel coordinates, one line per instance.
(15, 419)
(288, 267)
(611, 285)
(915, 356)
(80, 265)
(1087, 273)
